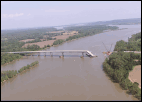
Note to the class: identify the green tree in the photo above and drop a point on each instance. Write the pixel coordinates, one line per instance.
(48, 45)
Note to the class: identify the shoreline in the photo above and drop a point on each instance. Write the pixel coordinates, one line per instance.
(19, 73)
(11, 61)
(83, 37)
(60, 44)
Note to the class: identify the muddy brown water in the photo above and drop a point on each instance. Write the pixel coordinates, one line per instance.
(71, 78)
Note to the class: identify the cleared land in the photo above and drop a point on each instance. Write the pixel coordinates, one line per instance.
(65, 32)
(135, 75)
(66, 35)
(41, 44)
(63, 36)
(26, 40)
(70, 32)
(50, 42)
(55, 32)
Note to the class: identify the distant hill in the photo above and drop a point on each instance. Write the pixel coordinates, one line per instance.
(112, 22)
(117, 22)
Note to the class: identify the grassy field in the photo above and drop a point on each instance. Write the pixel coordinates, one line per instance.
(135, 75)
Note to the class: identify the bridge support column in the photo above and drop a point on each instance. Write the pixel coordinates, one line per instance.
(63, 54)
(51, 54)
(25, 55)
(83, 54)
(45, 55)
(38, 54)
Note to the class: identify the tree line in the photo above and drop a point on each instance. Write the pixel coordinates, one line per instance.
(88, 30)
(133, 44)
(5, 75)
(6, 58)
(28, 66)
(59, 41)
(119, 64)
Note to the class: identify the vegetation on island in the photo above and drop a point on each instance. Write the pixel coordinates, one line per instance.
(5, 75)
(28, 66)
(118, 66)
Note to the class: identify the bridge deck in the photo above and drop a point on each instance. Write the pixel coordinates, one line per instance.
(56, 51)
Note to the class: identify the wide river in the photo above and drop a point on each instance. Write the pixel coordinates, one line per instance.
(71, 78)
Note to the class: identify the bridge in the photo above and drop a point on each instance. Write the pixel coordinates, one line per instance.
(88, 53)
(138, 52)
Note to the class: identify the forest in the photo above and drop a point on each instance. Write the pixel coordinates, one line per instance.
(6, 58)
(119, 64)
(57, 42)
(88, 30)
(133, 44)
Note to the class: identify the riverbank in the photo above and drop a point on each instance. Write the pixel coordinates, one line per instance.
(119, 68)
(125, 68)
(81, 37)
(5, 75)
(16, 57)
(121, 77)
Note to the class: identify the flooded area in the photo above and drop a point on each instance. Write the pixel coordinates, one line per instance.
(71, 78)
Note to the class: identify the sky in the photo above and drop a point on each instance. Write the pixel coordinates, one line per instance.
(29, 14)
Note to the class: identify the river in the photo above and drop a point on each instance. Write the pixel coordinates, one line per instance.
(71, 78)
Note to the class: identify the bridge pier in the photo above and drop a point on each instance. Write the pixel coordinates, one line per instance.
(51, 54)
(26, 55)
(38, 54)
(45, 55)
(63, 54)
(82, 55)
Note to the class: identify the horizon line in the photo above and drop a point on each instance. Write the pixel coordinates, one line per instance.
(64, 25)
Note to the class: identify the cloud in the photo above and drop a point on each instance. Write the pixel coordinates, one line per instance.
(29, 14)
(8, 2)
(11, 15)
(53, 10)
